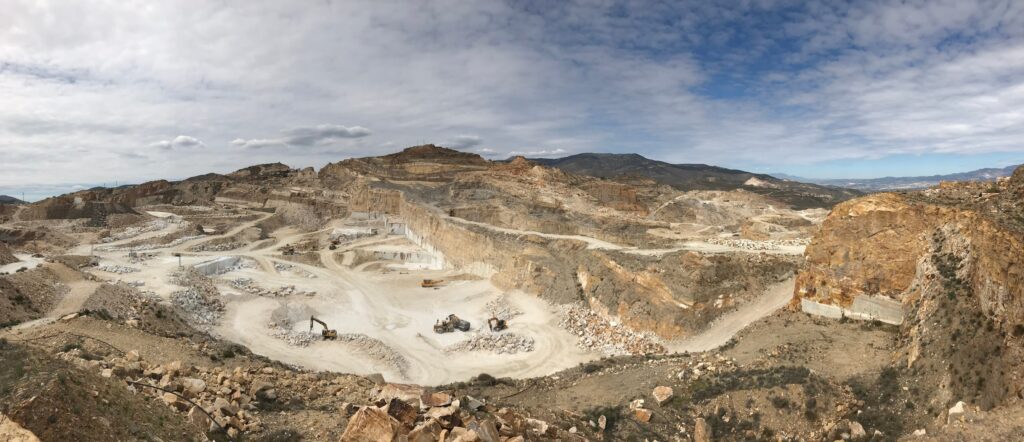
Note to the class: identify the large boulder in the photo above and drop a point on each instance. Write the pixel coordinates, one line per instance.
(371, 424)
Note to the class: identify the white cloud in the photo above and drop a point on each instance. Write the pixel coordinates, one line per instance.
(854, 80)
(178, 142)
(306, 136)
(464, 141)
(538, 153)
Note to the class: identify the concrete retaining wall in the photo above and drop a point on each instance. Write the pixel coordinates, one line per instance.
(867, 308)
(217, 266)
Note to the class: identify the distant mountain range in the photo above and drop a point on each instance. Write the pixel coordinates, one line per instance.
(905, 183)
(626, 167)
(4, 199)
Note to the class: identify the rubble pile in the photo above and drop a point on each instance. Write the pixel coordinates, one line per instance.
(408, 412)
(131, 232)
(232, 397)
(119, 269)
(748, 244)
(222, 247)
(249, 286)
(199, 300)
(198, 309)
(143, 247)
(501, 309)
(376, 349)
(294, 338)
(283, 267)
(597, 333)
(694, 368)
(500, 343)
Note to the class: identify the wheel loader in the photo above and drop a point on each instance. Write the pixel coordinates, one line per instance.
(450, 324)
(326, 333)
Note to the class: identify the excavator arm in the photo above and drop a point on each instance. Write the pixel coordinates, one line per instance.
(313, 319)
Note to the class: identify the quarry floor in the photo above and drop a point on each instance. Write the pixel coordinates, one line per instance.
(381, 300)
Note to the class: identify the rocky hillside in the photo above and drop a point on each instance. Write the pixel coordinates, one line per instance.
(628, 167)
(953, 256)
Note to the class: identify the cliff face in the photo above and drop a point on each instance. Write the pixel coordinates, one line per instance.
(953, 256)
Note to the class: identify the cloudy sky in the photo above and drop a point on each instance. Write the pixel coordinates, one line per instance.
(93, 92)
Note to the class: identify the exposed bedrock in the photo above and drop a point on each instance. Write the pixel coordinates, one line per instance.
(673, 295)
(953, 256)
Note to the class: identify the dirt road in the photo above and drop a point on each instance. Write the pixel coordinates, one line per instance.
(727, 326)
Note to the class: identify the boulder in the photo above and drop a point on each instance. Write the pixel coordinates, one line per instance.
(437, 399)
(473, 404)
(662, 394)
(642, 415)
(536, 426)
(370, 424)
(402, 412)
(408, 393)
(701, 431)
(198, 418)
(428, 431)
(132, 356)
(459, 434)
(956, 413)
(193, 386)
(857, 431)
(175, 402)
(224, 407)
(486, 430)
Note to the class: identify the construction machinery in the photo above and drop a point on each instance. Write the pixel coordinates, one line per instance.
(432, 283)
(496, 324)
(450, 324)
(326, 333)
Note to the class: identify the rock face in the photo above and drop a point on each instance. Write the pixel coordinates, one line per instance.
(953, 256)
(6, 256)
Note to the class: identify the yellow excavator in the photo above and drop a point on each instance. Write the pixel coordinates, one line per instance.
(326, 333)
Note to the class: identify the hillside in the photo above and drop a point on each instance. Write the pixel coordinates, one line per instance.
(5, 199)
(907, 182)
(627, 167)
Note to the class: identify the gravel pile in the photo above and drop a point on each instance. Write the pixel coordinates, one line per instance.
(500, 343)
(141, 247)
(501, 309)
(597, 333)
(200, 301)
(747, 244)
(249, 286)
(222, 247)
(118, 269)
(292, 337)
(198, 309)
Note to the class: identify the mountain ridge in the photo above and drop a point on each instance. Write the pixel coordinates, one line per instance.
(623, 167)
(905, 182)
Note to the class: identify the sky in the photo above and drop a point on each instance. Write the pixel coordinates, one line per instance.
(98, 92)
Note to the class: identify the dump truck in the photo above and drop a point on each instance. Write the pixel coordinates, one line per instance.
(432, 283)
(450, 324)
(326, 333)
